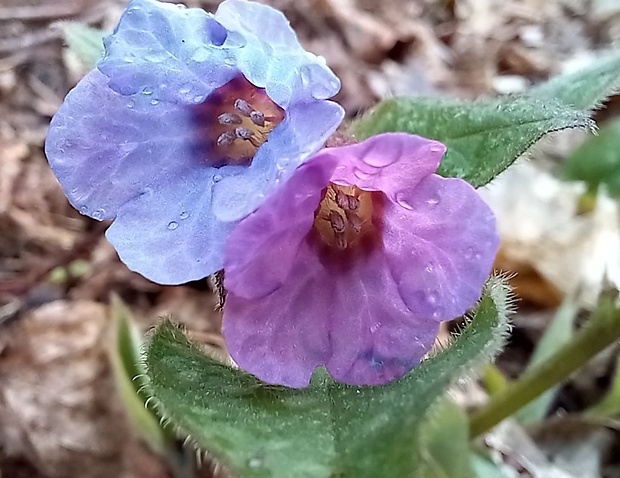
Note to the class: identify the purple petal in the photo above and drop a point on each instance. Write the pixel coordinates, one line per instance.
(440, 244)
(389, 162)
(264, 247)
(352, 321)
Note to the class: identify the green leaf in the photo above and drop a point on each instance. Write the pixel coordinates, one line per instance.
(129, 376)
(587, 88)
(444, 443)
(327, 430)
(85, 43)
(558, 333)
(483, 137)
(597, 160)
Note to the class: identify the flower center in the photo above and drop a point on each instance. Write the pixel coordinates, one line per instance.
(345, 216)
(240, 118)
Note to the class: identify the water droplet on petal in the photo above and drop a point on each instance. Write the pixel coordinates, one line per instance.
(436, 149)
(131, 104)
(98, 214)
(217, 178)
(199, 98)
(432, 297)
(430, 267)
(154, 102)
(374, 327)
(433, 201)
(402, 201)
(363, 175)
(83, 210)
(172, 225)
(147, 91)
(184, 215)
(377, 159)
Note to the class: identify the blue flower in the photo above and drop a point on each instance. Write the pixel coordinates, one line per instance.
(187, 124)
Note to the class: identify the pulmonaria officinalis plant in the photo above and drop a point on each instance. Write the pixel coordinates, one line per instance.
(185, 126)
(354, 262)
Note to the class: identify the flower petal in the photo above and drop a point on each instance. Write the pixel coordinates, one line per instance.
(262, 251)
(389, 162)
(182, 242)
(166, 51)
(106, 149)
(353, 321)
(272, 57)
(440, 244)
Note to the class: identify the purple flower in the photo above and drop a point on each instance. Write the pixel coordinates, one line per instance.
(354, 262)
(187, 124)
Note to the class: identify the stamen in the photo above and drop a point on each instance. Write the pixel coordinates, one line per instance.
(243, 133)
(238, 118)
(337, 222)
(354, 203)
(243, 107)
(345, 217)
(341, 241)
(229, 118)
(353, 220)
(346, 201)
(226, 138)
(258, 118)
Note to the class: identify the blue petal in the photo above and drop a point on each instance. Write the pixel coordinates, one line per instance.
(272, 57)
(124, 158)
(106, 148)
(167, 51)
(168, 234)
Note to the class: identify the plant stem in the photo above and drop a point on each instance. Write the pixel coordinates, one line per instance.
(602, 330)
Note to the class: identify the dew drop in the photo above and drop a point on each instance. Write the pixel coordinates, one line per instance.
(433, 201)
(430, 267)
(432, 297)
(131, 104)
(374, 327)
(217, 178)
(436, 149)
(199, 98)
(83, 210)
(378, 159)
(184, 215)
(154, 102)
(305, 75)
(402, 201)
(98, 214)
(147, 91)
(172, 225)
(363, 175)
